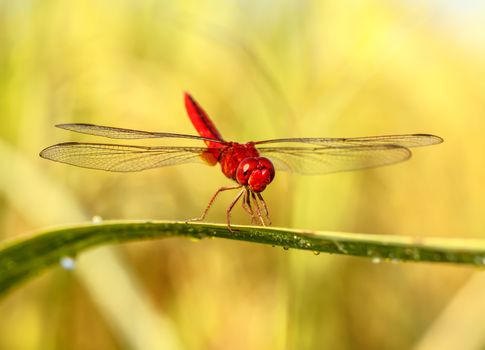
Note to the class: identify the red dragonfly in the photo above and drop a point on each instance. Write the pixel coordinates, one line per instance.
(251, 165)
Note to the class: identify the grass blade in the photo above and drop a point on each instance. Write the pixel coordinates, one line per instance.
(21, 259)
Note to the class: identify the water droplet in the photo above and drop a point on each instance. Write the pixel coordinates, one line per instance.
(96, 219)
(303, 243)
(316, 252)
(67, 263)
(376, 260)
(392, 258)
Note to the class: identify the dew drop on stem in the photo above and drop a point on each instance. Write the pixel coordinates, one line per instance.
(67, 263)
(96, 219)
(376, 260)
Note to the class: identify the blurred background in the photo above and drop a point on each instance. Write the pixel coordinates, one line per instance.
(261, 69)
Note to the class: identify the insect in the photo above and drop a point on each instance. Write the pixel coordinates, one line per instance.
(251, 165)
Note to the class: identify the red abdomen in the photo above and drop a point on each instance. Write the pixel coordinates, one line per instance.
(201, 121)
(205, 128)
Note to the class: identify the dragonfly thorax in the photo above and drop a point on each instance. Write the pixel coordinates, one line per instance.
(255, 173)
(233, 154)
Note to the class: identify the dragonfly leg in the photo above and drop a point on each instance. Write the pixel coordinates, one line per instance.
(254, 216)
(258, 209)
(222, 189)
(246, 204)
(265, 207)
(228, 212)
(244, 200)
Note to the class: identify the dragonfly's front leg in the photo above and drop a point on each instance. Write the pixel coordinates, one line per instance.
(258, 209)
(265, 207)
(228, 212)
(222, 189)
(246, 204)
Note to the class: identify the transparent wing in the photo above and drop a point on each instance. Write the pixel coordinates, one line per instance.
(121, 158)
(324, 160)
(120, 133)
(407, 141)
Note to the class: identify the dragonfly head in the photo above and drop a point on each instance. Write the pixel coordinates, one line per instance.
(255, 172)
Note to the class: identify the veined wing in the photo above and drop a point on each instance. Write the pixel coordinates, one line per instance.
(120, 133)
(407, 141)
(323, 160)
(122, 158)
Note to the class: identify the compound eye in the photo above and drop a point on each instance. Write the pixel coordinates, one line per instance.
(265, 163)
(245, 169)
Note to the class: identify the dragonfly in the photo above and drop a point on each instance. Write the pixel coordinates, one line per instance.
(252, 165)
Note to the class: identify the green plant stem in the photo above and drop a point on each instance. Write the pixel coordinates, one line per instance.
(22, 258)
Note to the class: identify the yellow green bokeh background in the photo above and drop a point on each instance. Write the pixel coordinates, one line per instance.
(262, 69)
